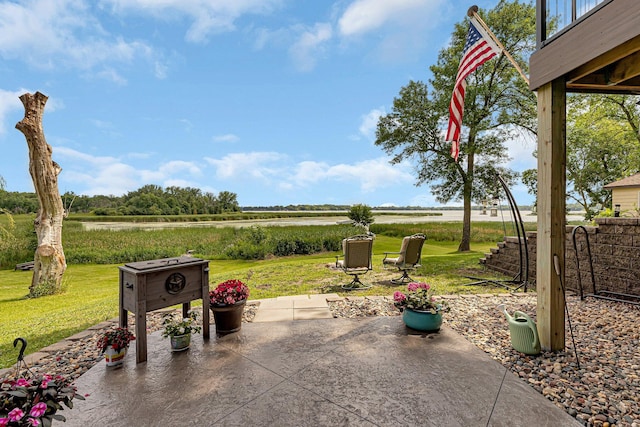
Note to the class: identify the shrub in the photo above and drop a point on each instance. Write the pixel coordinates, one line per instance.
(361, 215)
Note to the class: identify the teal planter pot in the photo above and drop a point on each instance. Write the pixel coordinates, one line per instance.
(180, 342)
(422, 320)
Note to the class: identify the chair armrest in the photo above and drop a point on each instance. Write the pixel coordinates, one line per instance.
(386, 255)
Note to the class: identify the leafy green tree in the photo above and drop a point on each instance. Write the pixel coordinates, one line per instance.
(18, 202)
(361, 216)
(6, 232)
(227, 202)
(603, 145)
(497, 102)
(530, 180)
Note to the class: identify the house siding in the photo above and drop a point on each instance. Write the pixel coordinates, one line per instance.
(627, 198)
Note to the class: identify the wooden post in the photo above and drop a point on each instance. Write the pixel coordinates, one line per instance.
(49, 260)
(551, 213)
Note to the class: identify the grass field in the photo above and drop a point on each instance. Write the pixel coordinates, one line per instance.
(91, 291)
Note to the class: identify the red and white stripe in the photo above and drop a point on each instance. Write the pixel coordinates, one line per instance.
(478, 49)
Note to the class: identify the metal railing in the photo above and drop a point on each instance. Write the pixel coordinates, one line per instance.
(554, 16)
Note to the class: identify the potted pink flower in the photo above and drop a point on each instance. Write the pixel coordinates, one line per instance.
(35, 401)
(227, 303)
(114, 344)
(421, 310)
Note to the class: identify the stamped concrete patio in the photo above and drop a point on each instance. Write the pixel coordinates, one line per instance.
(323, 372)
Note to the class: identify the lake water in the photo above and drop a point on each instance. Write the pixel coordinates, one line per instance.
(441, 215)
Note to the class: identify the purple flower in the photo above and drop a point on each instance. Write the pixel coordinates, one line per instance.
(16, 414)
(38, 410)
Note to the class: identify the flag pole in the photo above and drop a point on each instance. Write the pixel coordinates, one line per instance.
(473, 12)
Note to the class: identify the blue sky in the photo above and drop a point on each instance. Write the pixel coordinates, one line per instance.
(274, 100)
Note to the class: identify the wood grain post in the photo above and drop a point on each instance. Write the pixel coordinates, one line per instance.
(551, 213)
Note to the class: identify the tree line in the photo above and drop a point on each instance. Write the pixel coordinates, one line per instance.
(147, 200)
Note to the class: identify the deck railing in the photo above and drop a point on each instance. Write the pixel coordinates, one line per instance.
(555, 16)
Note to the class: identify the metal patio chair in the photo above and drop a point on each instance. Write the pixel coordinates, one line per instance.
(356, 259)
(408, 258)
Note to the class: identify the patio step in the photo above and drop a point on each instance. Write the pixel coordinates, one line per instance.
(296, 307)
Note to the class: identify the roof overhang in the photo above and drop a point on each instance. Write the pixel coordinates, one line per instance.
(600, 53)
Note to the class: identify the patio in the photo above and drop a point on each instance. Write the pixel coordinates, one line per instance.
(365, 371)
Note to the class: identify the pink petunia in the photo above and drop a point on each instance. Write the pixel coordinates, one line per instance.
(4, 422)
(399, 296)
(38, 410)
(33, 422)
(16, 414)
(22, 382)
(414, 286)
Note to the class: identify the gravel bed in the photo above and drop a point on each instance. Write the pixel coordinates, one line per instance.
(605, 391)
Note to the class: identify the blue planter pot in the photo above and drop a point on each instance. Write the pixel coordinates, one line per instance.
(422, 320)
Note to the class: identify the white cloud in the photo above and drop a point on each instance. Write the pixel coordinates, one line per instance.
(109, 175)
(9, 101)
(110, 179)
(183, 183)
(368, 175)
(160, 70)
(47, 34)
(265, 37)
(401, 29)
(310, 45)
(363, 16)
(229, 137)
(371, 175)
(166, 171)
(521, 148)
(111, 75)
(309, 172)
(207, 17)
(256, 164)
(369, 122)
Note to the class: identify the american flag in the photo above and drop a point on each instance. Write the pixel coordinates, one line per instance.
(478, 49)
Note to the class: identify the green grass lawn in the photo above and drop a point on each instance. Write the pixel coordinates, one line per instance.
(91, 291)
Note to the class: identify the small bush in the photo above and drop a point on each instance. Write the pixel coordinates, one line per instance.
(246, 251)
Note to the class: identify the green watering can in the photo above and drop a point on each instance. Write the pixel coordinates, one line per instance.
(524, 333)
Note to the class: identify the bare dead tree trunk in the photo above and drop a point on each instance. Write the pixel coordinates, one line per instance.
(50, 263)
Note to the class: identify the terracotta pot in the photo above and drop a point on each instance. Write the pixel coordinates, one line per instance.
(228, 318)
